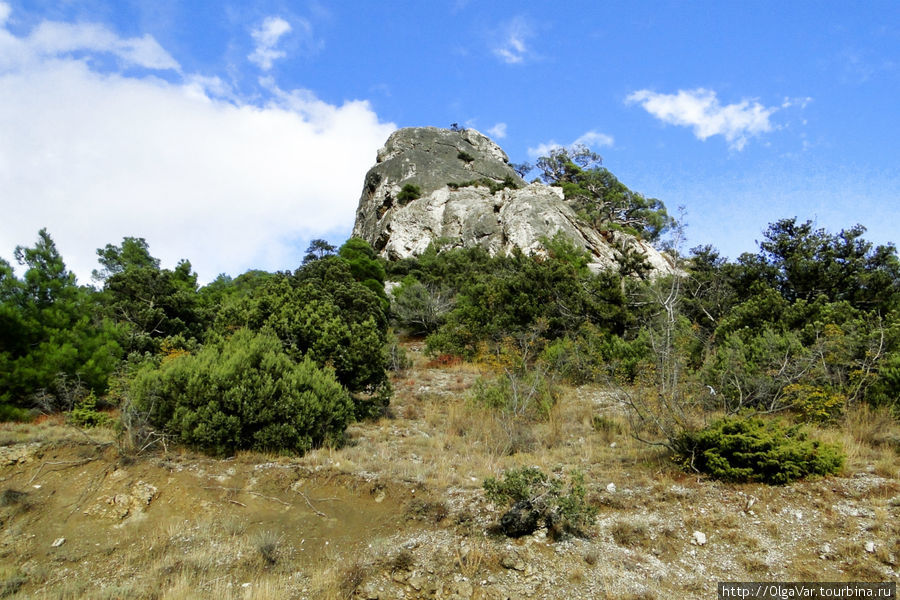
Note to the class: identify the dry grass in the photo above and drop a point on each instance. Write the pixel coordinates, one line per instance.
(870, 438)
(631, 534)
(444, 446)
(473, 558)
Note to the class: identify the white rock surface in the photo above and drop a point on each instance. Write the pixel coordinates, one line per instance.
(472, 215)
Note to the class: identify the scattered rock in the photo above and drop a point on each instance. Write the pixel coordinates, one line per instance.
(463, 589)
(511, 560)
(18, 454)
(122, 505)
(400, 576)
(870, 547)
(699, 538)
(417, 582)
(611, 488)
(58, 542)
(369, 591)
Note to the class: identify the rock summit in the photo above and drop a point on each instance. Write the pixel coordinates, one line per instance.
(458, 186)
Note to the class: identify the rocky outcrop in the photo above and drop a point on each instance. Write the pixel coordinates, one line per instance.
(458, 186)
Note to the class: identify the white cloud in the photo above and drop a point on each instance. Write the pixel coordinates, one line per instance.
(701, 110)
(594, 139)
(591, 139)
(266, 37)
(512, 43)
(498, 131)
(5, 11)
(224, 183)
(543, 149)
(53, 39)
(801, 102)
(59, 38)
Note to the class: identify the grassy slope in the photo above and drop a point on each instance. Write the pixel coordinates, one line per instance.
(399, 512)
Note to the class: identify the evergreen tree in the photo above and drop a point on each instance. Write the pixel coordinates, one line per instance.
(53, 346)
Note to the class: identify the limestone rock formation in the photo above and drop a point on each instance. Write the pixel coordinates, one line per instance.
(431, 183)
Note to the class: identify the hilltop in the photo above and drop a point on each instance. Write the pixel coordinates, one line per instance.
(458, 187)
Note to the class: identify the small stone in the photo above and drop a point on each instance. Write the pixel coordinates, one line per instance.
(870, 547)
(369, 592)
(611, 488)
(58, 542)
(508, 560)
(699, 538)
(463, 589)
(400, 576)
(612, 445)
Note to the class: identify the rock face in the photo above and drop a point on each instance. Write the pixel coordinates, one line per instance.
(459, 179)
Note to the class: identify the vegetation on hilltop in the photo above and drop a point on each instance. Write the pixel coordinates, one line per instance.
(806, 327)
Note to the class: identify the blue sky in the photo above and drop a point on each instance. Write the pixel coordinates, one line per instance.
(232, 133)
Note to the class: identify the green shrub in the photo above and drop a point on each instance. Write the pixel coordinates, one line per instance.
(420, 308)
(751, 449)
(322, 312)
(14, 413)
(885, 391)
(490, 184)
(408, 193)
(560, 504)
(465, 156)
(596, 356)
(814, 404)
(530, 394)
(510, 296)
(85, 413)
(243, 392)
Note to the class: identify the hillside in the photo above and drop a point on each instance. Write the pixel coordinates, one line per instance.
(399, 511)
(449, 409)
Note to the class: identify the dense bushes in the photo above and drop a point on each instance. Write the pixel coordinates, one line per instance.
(323, 313)
(807, 327)
(513, 296)
(55, 346)
(592, 355)
(243, 393)
(408, 193)
(266, 361)
(741, 449)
